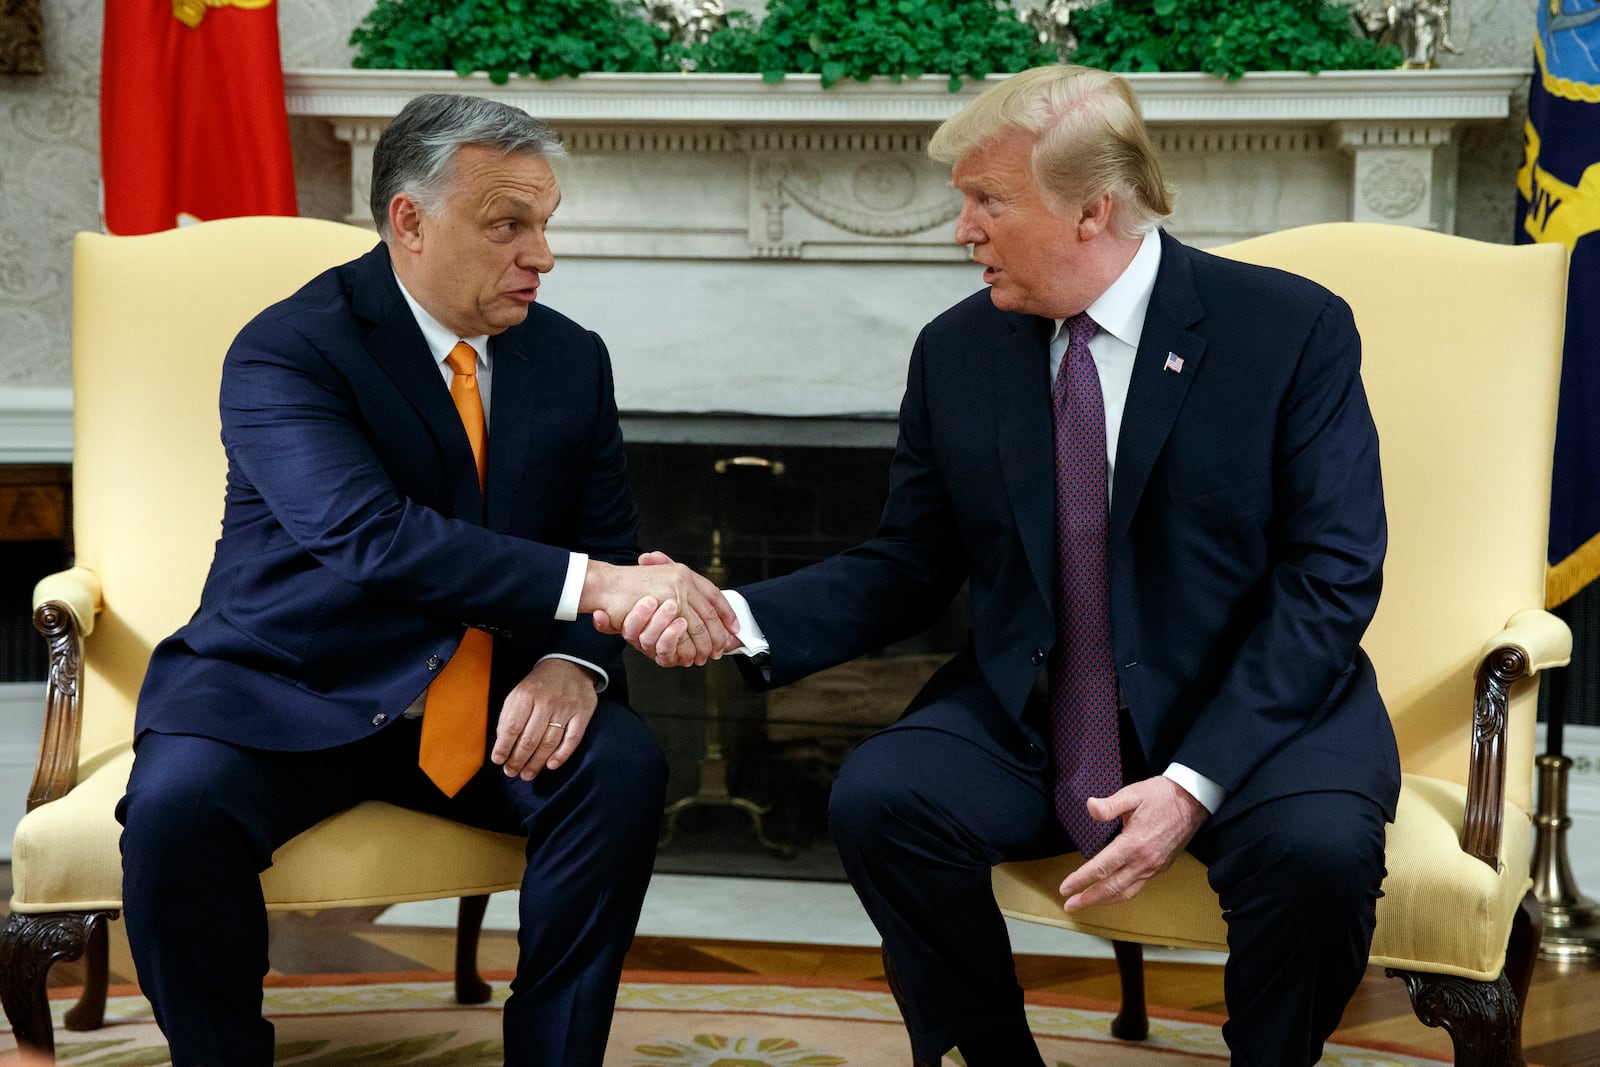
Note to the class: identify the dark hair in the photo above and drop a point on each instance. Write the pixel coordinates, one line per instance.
(414, 154)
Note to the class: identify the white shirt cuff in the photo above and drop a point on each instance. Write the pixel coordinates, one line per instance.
(572, 588)
(601, 678)
(1208, 793)
(753, 641)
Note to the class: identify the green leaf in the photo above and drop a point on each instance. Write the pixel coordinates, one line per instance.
(860, 39)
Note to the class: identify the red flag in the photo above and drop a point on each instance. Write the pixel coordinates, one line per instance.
(192, 119)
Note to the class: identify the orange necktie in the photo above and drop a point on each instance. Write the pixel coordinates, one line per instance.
(455, 716)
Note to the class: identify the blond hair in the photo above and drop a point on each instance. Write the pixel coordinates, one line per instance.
(1090, 140)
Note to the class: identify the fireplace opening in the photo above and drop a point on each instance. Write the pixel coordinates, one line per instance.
(751, 771)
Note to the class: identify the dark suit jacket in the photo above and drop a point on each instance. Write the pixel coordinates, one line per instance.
(355, 544)
(1246, 536)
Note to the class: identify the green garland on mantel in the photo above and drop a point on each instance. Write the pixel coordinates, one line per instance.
(861, 39)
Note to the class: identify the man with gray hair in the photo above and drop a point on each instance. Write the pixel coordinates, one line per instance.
(405, 549)
(1156, 472)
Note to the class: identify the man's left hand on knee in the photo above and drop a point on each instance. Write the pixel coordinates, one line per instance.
(544, 718)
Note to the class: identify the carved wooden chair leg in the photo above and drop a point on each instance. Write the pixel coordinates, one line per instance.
(1527, 929)
(90, 1011)
(29, 946)
(1483, 1019)
(470, 988)
(1131, 1023)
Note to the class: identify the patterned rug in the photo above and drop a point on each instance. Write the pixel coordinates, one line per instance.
(663, 1020)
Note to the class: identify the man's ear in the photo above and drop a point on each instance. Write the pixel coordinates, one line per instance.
(405, 222)
(1095, 217)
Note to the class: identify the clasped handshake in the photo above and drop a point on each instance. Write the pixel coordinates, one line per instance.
(662, 608)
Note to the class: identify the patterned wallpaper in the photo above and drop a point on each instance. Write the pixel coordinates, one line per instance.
(49, 170)
(1491, 33)
(49, 131)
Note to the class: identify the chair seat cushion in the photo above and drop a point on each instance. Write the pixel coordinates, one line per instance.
(1443, 911)
(65, 855)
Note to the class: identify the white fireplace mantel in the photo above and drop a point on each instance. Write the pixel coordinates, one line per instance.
(726, 165)
(1379, 95)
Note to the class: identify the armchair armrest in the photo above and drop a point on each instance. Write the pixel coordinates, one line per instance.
(1543, 640)
(77, 590)
(64, 607)
(1531, 641)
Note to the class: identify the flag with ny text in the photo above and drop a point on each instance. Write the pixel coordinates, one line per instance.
(1558, 199)
(192, 118)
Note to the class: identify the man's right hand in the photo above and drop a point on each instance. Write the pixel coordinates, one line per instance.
(696, 622)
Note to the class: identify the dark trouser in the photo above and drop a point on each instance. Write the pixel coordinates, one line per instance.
(921, 815)
(202, 820)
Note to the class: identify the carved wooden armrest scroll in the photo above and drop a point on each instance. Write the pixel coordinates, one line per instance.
(1531, 641)
(1486, 777)
(57, 769)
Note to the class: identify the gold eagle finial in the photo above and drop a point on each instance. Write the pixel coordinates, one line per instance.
(192, 12)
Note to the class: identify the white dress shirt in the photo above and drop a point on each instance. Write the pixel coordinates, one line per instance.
(1119, 312)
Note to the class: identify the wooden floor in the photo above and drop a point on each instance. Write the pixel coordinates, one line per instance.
(1562, 1027)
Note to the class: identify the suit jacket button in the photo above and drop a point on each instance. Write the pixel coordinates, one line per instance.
(434, 663)
(379, 719)
(1038, 656)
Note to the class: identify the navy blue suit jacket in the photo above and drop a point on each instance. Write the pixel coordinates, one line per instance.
(356, 546)
(1246, 536)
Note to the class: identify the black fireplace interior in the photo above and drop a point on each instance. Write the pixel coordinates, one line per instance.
(761, 511)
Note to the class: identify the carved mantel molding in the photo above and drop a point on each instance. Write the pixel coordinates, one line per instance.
(725, 166)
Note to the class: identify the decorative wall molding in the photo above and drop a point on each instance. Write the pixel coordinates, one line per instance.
(35, 424)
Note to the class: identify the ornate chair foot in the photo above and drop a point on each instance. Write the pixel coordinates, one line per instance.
(29, 946)
(1483, 1019)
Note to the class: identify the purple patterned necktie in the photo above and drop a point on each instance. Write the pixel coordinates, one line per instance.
(1083, 679)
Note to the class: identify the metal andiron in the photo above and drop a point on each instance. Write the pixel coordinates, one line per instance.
(1571, 920)
(713, 790)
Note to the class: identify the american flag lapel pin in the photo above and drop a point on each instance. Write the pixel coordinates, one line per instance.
(1174, 363)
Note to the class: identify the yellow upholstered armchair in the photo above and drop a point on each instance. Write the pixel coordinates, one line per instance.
(152, 318)
(1462, 354)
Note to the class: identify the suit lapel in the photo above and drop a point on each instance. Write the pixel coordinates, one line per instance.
(513, 420)
(396, 345)
(1026, 437)
(1155, 393)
